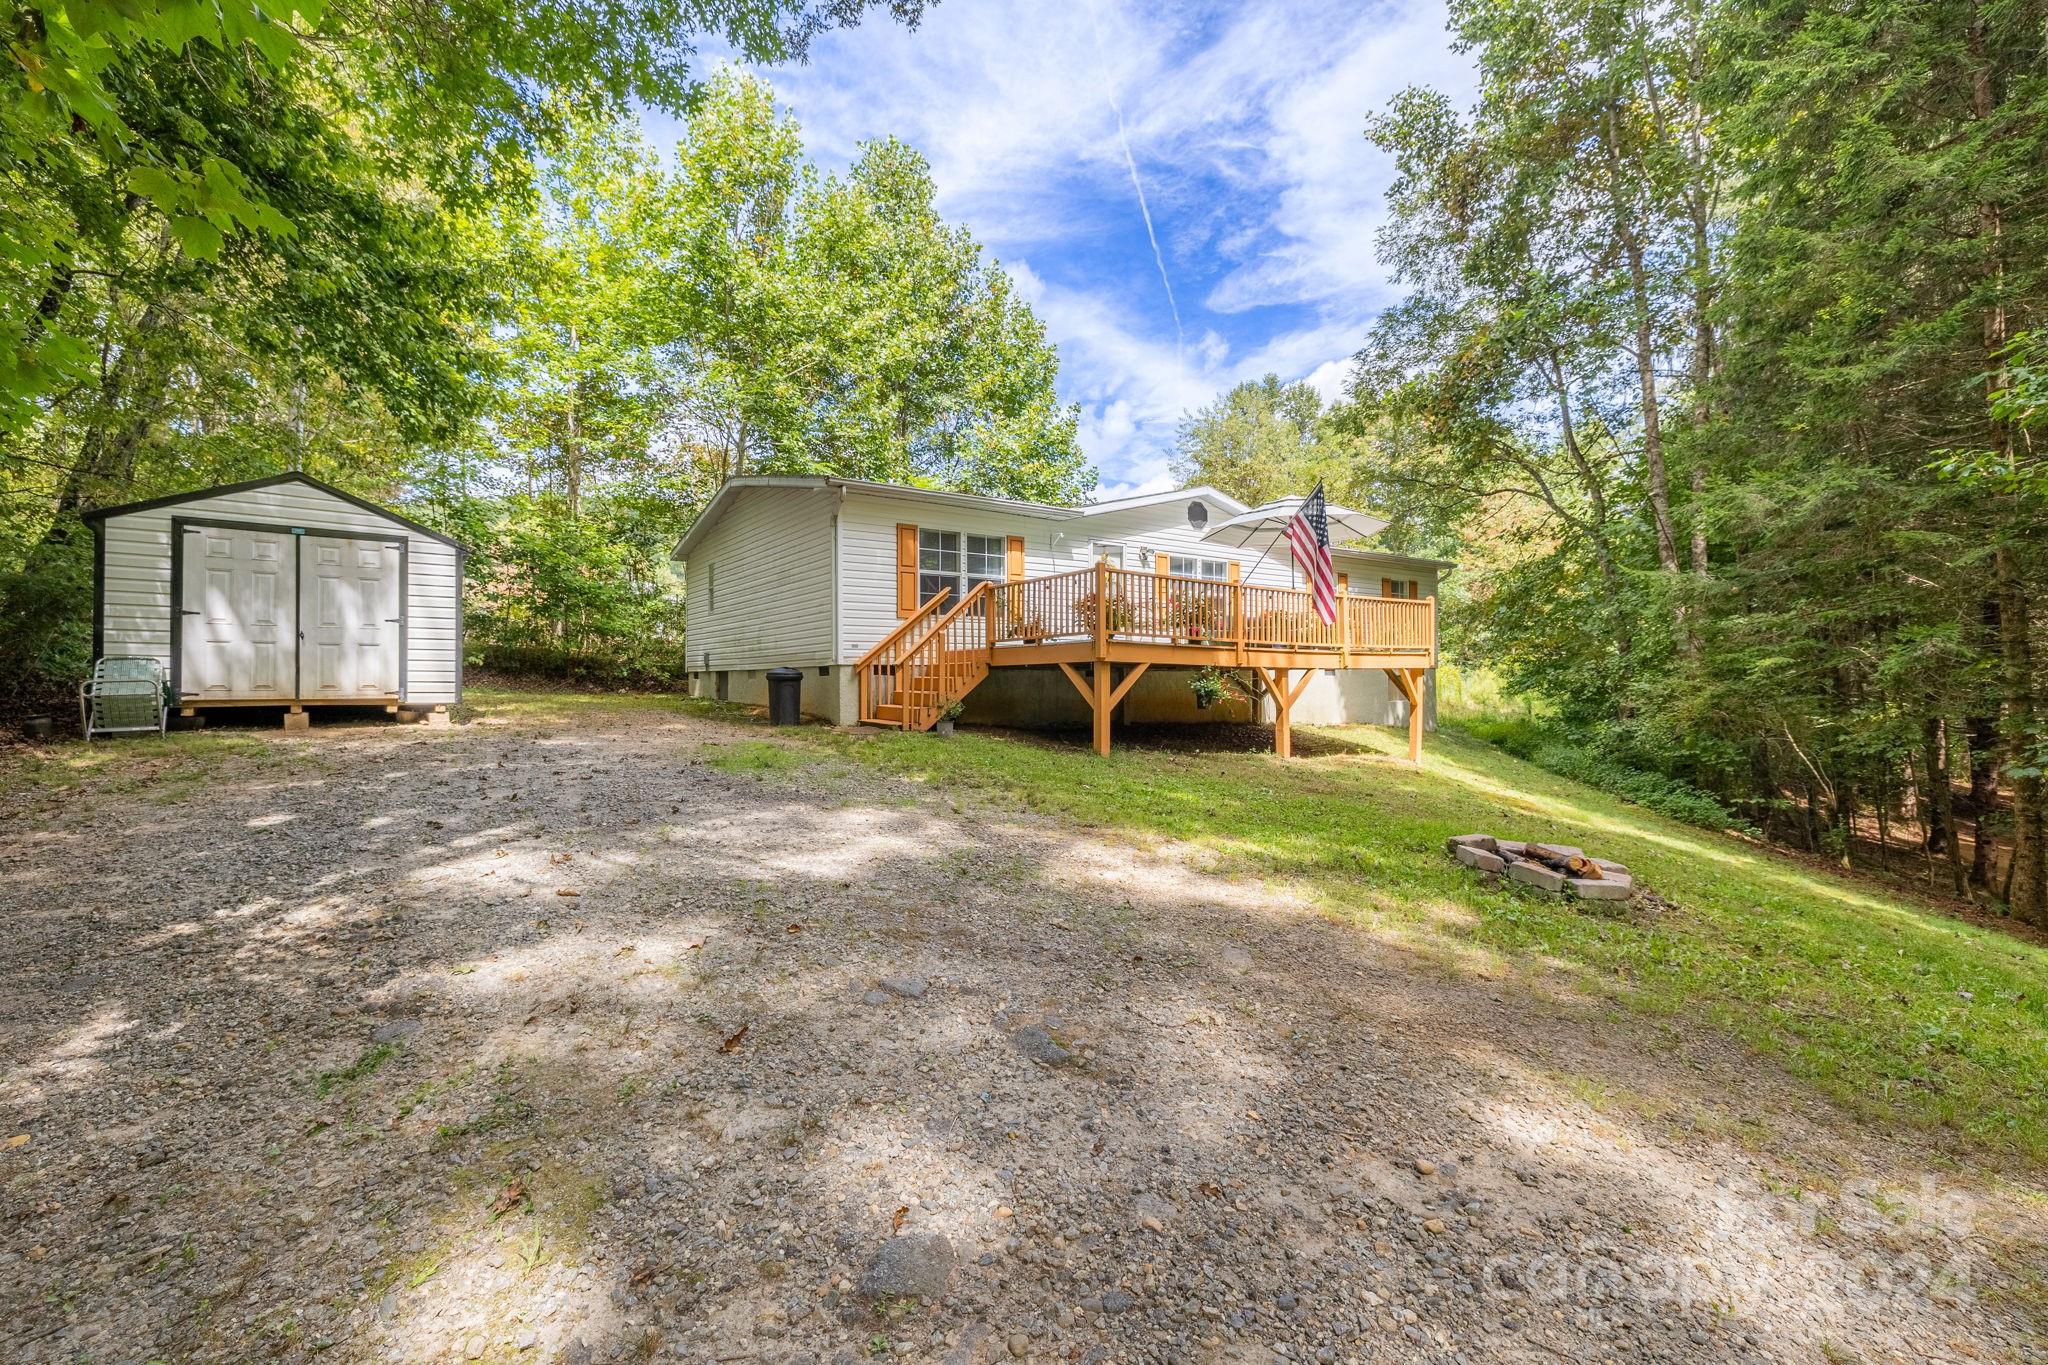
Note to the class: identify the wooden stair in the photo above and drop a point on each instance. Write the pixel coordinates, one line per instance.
(931, 661)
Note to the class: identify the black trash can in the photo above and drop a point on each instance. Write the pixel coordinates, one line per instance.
(785, 695)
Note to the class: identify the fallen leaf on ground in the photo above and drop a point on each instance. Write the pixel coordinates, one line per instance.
(565, 891)
(733, 1040)
(896, 1218)
(646, 1275)
(511, 1197)
(18, 1140)
(794, 929)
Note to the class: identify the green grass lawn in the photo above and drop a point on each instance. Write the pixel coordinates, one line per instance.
(1896, 1010)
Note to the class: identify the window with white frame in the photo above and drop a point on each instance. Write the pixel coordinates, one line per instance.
(1187, 566)
(1110, 552)
(938, 563)
(948, 559)
(988, 561)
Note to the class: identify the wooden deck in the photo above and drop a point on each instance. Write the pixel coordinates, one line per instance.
(1105, 627)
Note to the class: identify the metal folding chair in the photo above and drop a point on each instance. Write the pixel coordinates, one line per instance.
(124, 696)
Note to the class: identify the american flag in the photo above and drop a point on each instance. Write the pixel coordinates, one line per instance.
(1309, 534)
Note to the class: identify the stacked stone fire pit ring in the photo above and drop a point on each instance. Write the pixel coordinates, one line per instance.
(1558, 868)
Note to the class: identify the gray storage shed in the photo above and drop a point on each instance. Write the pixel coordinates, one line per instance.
(281, 591)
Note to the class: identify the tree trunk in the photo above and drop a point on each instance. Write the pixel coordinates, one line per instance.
(1845, 821)
(1646, 378)
(1935, 782)
(2021, 721)
(2021, 712)
(1982, 732)
(1941, 825)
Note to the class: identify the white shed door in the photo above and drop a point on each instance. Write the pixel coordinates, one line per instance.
(353, 615)
(237, 636)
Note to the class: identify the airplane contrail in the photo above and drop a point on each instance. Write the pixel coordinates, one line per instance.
(1131, 164)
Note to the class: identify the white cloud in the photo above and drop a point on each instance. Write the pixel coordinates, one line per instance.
(1246, 125)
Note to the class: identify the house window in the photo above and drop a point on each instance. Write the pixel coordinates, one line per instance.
(938, 563)
(947, 559)
(1188, 566)
(1399, 587)
(1109, 552)
(988, 561)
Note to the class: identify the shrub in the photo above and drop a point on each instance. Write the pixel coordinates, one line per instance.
(1581, 759)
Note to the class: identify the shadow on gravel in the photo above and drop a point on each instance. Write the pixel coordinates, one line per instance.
(571, 1044)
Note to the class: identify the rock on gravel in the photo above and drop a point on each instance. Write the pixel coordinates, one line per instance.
(918, 1265)
(1041, 1044)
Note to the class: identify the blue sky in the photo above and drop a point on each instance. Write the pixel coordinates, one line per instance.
(1244, 127)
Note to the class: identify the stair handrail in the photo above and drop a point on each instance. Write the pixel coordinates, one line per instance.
(938, 599)
(921, 714)
(864, 669)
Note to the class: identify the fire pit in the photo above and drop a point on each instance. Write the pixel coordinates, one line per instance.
(1547, 867)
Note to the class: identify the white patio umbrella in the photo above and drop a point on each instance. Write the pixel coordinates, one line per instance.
(1265, 526)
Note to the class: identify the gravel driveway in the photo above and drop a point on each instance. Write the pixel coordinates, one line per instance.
(612, 1032)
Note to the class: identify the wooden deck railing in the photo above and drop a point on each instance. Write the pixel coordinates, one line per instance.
(940, 653)
(927, 663)
(876, 671)
(1124, 604)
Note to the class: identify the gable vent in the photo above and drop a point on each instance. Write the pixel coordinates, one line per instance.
(1198, 515)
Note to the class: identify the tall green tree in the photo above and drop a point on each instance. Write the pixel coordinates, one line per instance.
(1735, 290)
(828, 324)
(1893, 240)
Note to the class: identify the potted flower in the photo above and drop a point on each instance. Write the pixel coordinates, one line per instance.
(1192, 618)
(1014, 622)
(1207, 685)
(947, 717)
(1119, 613)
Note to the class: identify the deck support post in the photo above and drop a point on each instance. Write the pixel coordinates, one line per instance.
(1102, 706)
(1283, 722)
(1285, 694)
(1410, 683)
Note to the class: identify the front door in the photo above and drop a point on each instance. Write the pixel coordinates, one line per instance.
(353, 615)
(239, 592)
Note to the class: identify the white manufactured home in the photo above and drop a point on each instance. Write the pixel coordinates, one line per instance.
(899, 603)
(282, 591)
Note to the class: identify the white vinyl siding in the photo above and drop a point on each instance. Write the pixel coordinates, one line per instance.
(770, 557)
(867, 555)
(1365, 569)
(136, 591)
(1162, 528)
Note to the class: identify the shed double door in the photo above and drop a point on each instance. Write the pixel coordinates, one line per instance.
(277, 615)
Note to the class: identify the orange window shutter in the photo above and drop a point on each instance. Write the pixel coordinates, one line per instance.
(1387, 588)
(1015, 570)
(1233, 571)
(1343, 585)
(1414, 590)
(1162, 563)
(906, 569)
